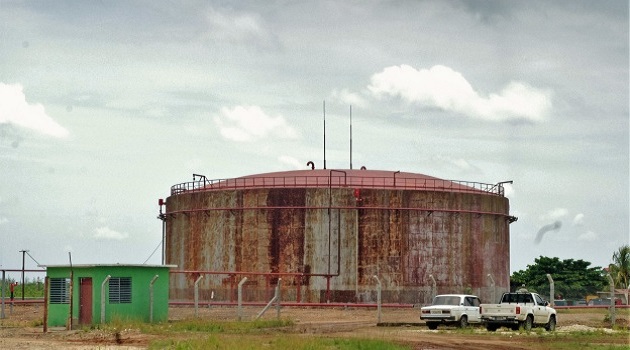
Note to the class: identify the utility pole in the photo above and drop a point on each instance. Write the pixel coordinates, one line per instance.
(23, 251)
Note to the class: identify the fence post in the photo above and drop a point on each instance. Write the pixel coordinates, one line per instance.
(2, 315)
(552, 291)
(494, 288)
(240, 298)
(102, 300)
(612, 300)
(378, 299)
(151, 298)
(197, 293)
(277, 297)
(46, 304)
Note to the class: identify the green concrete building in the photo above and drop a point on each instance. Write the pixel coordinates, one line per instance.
(95, 294)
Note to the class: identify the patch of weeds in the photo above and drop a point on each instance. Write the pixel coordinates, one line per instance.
(36, 323)
(539, 331)
(467, 330)
(366, 344)
(218, 342)
(226, 327)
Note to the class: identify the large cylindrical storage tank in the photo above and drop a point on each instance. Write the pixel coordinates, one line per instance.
(328, 233)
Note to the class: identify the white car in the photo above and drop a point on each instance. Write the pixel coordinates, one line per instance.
(451, 309)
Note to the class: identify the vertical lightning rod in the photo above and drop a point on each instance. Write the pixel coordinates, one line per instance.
(350, 137)
(324, 134)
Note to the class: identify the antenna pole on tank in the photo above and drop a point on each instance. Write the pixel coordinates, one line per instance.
(350, 137)
(324, 134)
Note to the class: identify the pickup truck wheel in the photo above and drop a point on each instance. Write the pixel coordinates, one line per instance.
(527, 325)
(491, 327)
(551, 325)
(432, 325)
(463, 322)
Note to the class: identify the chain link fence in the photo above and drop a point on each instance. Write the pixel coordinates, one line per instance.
(242, 297)
(377, 303)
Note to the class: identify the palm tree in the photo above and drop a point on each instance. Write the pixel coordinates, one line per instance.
(620, 268)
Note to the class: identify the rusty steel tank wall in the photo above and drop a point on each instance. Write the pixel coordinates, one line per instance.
(401, 236)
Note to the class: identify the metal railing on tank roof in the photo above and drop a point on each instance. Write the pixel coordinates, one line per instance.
(337, 180)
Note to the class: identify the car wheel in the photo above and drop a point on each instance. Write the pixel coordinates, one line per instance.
(432, 325)
(527, 325)
(491, 327)
(463, 322)
(551, 325)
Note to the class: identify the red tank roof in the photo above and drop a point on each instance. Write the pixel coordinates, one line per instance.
(353, 178)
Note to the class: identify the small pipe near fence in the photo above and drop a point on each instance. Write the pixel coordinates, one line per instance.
(3, 284)
(433, 287)
(103, 298)
(378, 299)
(275, 299)
(240, 298)
(197, 293)
(494, 288)
(46, 304)
(552, 292)
(612, 300)
(151, 297)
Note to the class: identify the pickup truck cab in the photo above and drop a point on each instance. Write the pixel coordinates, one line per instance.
(451, 309)
(519, 309)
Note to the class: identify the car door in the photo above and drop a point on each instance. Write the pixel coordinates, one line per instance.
(540, 310)
(472, 308)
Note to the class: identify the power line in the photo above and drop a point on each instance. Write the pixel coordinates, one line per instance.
(154, 250)
(30, 256)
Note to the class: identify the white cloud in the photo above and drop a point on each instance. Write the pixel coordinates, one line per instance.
(508, 191)
(461, 165)
(588, 236)
(15, 110)
(350, 98)
(108, 233)
(292, 162)
(245, 124)
(555, 214)
(578, 220)
(236, 27)
(3, 221)
(444, 88)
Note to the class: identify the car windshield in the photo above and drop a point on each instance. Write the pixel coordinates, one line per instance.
(445, 300)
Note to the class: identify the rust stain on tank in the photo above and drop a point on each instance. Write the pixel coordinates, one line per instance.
(286, 243)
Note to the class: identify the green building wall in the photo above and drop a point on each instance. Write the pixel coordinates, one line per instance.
(139, 307)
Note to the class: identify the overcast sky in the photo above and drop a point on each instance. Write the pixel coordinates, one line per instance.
(104, 105)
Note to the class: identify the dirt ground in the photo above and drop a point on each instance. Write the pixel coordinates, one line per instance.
(21, 329)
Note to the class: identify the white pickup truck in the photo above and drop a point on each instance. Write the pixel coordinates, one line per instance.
(451, 309)
(518, 309)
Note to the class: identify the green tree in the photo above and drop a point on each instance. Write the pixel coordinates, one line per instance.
(573, 279)
(620, 268)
